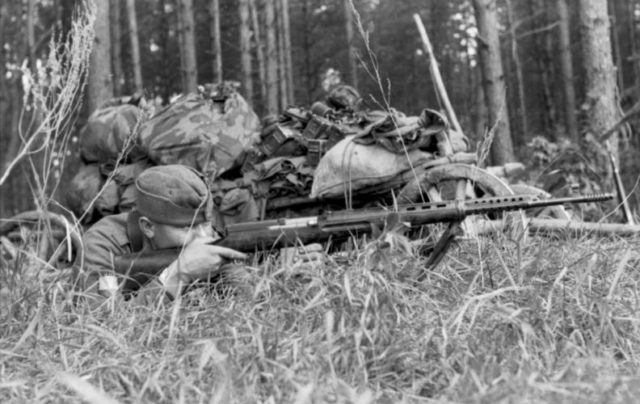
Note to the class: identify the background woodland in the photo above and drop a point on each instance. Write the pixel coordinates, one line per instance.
(551, 78)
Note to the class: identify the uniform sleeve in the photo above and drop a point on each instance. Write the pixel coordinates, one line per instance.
(102, 242)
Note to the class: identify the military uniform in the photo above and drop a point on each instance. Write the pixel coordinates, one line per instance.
(112, 236)
(174, 195)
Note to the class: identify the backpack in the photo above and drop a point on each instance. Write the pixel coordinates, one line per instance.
(209, 130)
(107, 131)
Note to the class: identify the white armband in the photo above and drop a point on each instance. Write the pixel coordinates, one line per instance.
(108, 285)
(169, 280)
(167, 274)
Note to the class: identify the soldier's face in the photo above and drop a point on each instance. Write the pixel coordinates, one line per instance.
(167, 236)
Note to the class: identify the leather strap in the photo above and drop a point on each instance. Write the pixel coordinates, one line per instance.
(133, 231)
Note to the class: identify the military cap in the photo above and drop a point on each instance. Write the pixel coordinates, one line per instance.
(176, 195)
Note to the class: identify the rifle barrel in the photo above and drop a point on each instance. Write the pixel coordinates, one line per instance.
(519, 202)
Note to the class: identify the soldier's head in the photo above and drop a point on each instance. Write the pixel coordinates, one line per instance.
(174, 203)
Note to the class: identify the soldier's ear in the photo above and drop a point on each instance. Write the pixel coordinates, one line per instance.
(147, 227)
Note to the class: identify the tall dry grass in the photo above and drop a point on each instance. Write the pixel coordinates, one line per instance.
(552, 320)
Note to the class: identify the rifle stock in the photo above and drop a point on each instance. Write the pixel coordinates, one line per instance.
(269, 234)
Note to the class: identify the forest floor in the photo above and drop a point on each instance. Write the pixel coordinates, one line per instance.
(553, 319)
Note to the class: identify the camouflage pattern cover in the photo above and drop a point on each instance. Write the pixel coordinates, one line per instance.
(107, 131)
(83, 188)
(90, 190)
(90, 196)
(125, 177)
(236, 206)
(202, 131)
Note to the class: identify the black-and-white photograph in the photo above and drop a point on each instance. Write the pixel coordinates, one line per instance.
(319, 201)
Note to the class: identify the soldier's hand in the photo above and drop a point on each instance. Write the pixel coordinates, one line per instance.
(201, 259)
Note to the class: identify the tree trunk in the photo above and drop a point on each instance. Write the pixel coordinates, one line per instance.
(602, 110)
(16, 195)
(99, 85)
(472, 89)
(4, 97)
(543, 62)
(480, 111)
(245, 50)
(493, 80)
(549, 68)
(31, 38)
(566, 67)
(353, 65)
(216, 47)
(522, 110)
(116, 48)
(306, 49)
(181, 47)
(634, 48)
(262, 70)
(6, 134)
(282, 76)
(272, 58)
(166, 76)
(615, 42)
(135, 46)
(288, 63)
(189, 44)
(20, 191)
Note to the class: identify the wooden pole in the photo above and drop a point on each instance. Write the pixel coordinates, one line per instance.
(435, 74)
(571, 227)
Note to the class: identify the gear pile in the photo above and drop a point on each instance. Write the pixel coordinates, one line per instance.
(246, 161)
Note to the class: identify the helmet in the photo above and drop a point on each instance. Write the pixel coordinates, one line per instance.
(343, 97)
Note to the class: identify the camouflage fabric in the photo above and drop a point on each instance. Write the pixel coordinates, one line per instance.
(208, 130)
(107, 132)
(399, 133)
(90, 192)
(108, 199)
(82, 189)
(285, 176)
(90, 195)
(125, 176)
(236, 206)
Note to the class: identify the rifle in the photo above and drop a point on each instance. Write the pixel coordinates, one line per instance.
(269, 234)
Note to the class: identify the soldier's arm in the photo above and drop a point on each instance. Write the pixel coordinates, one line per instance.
(102, 242)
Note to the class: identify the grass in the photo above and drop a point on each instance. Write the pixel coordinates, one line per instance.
(550, 320)
(554, 320)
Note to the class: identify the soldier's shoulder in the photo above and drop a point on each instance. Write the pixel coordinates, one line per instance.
(113, 227)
